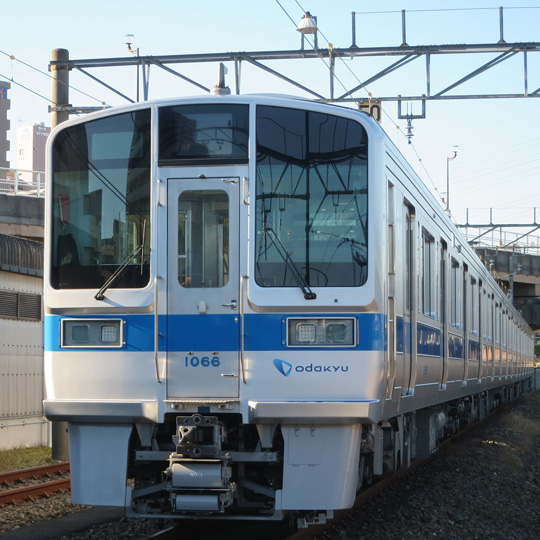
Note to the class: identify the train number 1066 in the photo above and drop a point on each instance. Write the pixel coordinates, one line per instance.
(204, 361)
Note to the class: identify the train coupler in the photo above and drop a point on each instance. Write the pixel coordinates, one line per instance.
(199, 485)
(198, 436)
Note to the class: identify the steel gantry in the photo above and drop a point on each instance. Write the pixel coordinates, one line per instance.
(398, 57)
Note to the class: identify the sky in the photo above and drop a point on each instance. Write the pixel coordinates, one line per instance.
(498, 160)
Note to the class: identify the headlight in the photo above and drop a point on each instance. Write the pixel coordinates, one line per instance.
(92, 333)
(306, 332)
(321, 332)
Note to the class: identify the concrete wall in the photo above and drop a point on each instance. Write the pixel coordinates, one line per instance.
(22, 216)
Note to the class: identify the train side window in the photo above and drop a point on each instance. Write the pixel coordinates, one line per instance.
(490, 316)
(455, 294)
(409, 263)
(443, 281)
(474, 311)
(203, 239)
(465, 297)
(497, 330)
(484, 312)
(504, 327)
(427, 277)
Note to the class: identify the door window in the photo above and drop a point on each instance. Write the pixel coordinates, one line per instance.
(203, 239)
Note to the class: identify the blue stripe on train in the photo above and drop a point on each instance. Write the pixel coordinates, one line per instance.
(263, 332)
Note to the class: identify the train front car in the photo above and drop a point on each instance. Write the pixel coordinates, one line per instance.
(214, 334)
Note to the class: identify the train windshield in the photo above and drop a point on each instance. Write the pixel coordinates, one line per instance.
(312, 199)
(101, 203)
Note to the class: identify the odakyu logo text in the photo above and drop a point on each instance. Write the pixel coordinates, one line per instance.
(285, 368)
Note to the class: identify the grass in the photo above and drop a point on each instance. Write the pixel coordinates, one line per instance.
(22, 458)
(525, 425)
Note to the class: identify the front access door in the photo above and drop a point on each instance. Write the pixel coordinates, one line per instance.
(203, 329)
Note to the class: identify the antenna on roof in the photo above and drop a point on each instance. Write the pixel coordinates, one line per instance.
(221, 89)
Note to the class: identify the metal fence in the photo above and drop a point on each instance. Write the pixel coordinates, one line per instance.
(506, 229)
(22, 182)
(504, 240)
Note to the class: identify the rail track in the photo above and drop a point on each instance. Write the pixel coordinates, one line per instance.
(33, 489)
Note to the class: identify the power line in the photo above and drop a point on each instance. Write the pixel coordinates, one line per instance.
(28, 89)
(365, 89)
(285, 11)
(478, 160)
(12, 57)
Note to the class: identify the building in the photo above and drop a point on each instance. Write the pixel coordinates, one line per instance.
(31, 142)
(4, 125)
(22, 423)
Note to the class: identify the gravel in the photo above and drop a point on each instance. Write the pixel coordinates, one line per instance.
(484, 486)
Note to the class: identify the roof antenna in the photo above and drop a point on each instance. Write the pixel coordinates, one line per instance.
(220, 89)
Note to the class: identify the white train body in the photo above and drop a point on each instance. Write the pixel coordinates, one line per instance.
(292, 310)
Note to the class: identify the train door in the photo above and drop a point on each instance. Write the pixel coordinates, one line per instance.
(409, 313)
(202, 288)
(444, 308)
(392, 368)
(466, 323)
(481, 328)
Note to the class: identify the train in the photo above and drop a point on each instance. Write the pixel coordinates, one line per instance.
(253, 306)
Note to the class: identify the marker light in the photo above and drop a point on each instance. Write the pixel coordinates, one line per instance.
(80, 333)
(319, 332)
(85, 333)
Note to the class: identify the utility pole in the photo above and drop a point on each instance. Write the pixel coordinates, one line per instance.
(60, 87)
(448, 160)
(60, 100)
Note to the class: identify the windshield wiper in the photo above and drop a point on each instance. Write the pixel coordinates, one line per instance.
(308, 293)
(122, 268)
(100, 295)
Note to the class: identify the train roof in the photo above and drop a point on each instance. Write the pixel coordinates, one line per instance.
(255, 98)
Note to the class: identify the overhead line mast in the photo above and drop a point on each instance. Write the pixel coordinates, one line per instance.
(500, 52)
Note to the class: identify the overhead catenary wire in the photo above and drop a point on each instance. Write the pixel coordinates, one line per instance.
(10, 79)
(366, 90)
(412, 147)
(506, 149)
(40, 71)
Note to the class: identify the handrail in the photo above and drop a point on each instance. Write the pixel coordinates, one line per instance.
(242, 364)
(156, 329)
